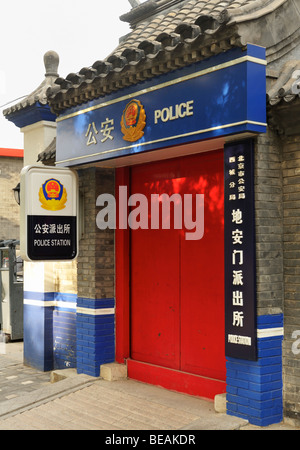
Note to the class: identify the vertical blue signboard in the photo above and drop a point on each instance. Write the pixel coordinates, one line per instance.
(240, 267)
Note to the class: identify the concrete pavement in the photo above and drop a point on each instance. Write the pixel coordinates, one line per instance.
(29, 401)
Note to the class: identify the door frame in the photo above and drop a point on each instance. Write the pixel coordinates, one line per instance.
(152, 374)
(122, 270)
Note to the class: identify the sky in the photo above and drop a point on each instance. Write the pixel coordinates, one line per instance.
(81, 32)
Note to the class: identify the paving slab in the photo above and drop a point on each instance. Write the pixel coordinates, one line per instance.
(120, 405)
(80, 402)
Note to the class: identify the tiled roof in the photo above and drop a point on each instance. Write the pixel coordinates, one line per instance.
(169, 14)
(169, 34)
(285, 93)
(47, 157)
(287, 86)
(166, 35)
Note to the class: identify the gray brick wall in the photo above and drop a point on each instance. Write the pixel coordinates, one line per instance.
(96, 248)
(291, 245)
(277, 195)
(269, 228)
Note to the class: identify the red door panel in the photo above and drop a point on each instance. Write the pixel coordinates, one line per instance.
(154, 283)
(202, 273)
(177, 286)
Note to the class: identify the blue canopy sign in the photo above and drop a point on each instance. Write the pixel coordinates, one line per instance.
(217, 97)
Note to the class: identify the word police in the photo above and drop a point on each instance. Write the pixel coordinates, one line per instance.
(153, 439)
(174, 112)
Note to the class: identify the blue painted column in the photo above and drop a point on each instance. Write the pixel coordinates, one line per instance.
(254, 388)
(38, 330)
(95, 334)
(64, 331)
(50, 330)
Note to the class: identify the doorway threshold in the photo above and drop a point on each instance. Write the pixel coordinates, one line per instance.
(175, 380)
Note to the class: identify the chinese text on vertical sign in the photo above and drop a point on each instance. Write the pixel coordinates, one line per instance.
(240, 310)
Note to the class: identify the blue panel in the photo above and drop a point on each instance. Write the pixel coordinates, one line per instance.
(40, 296)
(96, 303)
(38, 337)
(273, 321)
(32, 114)
(64, 339)
(239, 250)
(254, 388)
(223, 95)
(49, 331)
(95, 336)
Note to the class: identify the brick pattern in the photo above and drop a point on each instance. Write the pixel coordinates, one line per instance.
(64, 340)
(95, 336)
(65, 276)
(291, 242)
(96, 257)
(95, 321)
(277, 184)
(254, 388)
(64, 331)
(86, 261)
(268, 212)
(10, 169)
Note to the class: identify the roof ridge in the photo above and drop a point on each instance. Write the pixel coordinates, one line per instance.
(255, 9)
(147, 9)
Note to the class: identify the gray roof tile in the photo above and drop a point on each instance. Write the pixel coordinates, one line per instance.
(284, 89)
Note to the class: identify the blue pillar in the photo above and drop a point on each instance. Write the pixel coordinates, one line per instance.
(254, 388)
(95, 334)
(50, 330)
(38, 330)
(64, 331)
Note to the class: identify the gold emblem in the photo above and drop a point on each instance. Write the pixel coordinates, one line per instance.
(53, 195)
(133, 121)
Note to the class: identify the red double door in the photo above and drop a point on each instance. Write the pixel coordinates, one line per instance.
(177, 285)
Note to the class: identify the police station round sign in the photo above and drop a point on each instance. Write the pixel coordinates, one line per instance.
(49, 207)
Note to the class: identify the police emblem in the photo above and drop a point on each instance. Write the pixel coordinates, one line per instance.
(133, 121)
(53, 195)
